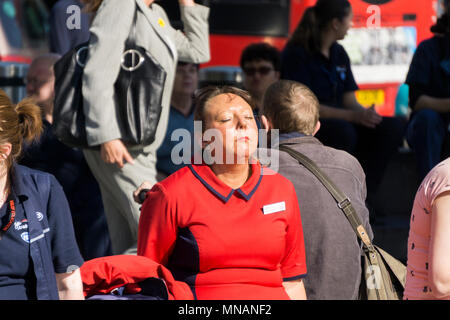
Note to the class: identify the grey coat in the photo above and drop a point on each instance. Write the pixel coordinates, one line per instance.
(109, 31)
(333, 255)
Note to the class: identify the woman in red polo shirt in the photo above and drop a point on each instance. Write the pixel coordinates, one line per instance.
(228, 227)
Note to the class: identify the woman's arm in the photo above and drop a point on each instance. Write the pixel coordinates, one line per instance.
(109, 31)
(440, 105)
(295, 289)
(439, 253)
(327, 112)
(158, 225)
(70, 286)
(353, 112)
(193, 43)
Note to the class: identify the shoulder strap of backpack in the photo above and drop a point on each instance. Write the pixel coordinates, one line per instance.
(343, 202)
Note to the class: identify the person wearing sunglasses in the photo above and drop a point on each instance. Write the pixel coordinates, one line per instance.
(260, 63)
(39, 256)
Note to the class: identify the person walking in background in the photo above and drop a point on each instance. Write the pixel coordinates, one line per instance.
(67, 165)
(261, 65)
(39, 257)
(333, 251)
(428, 266)
(181, 116)
(69, 26)
(228, 227)
(119, 168)
(429, 94)
(313, 57)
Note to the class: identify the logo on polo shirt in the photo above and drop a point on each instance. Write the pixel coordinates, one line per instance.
(342, 71)
(39, 215)
(20, 225)
(25, 237)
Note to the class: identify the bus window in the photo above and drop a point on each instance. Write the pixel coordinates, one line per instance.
(267, 18)
(250, 17)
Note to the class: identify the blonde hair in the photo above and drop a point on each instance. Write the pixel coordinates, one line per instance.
(291, 107)
(18, 123)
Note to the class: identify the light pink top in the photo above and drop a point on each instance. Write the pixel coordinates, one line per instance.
(435, 183)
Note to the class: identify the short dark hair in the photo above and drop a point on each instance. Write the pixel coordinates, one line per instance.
(205, 94)
(261, 51)
(291, 107)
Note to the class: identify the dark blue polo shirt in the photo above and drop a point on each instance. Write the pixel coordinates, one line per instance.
(429, 72)
(65, 33)
(329, 78)
(177, 120)
(17, 278)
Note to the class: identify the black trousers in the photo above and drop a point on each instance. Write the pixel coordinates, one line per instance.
(372, 147)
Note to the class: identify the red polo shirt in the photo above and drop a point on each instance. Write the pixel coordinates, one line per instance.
(225, 243)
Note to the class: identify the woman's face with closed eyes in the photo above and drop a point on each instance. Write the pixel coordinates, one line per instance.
(233, 119)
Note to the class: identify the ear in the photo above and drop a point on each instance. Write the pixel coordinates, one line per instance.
(266, 124)
(317, 128)
(335, 23)
(5, 151)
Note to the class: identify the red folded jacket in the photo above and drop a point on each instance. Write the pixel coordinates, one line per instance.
(102, 275)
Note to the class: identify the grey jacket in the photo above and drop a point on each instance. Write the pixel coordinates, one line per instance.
(109, 30)
(333, 255)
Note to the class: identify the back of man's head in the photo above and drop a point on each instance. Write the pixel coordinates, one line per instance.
(291, 107)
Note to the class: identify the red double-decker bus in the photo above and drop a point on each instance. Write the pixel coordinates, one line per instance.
(381, 44)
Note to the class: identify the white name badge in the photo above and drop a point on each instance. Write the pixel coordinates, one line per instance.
(274, 207)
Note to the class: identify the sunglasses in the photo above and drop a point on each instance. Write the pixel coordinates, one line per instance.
(12, 215)
(261, 70)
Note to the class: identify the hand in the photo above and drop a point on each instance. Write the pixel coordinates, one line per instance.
(186, 2)
(144, 186)
(114, 151)
(368, 117)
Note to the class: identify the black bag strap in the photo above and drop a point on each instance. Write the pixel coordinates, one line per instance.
(343, 202)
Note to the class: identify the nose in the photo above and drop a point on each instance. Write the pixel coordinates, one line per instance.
(242, 122)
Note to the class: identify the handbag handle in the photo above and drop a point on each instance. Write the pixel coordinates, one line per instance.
(343, 202)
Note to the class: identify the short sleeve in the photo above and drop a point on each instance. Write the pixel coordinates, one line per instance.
(65, 252)
(293, 265)
(157, 226)
(437, 182)
(349, 83)
(419, 70)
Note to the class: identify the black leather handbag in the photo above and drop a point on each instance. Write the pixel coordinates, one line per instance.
(138, 94)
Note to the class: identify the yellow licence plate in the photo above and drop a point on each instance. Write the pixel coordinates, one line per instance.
(369, 97)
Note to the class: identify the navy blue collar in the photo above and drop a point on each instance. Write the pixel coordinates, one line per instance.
(17, 185)
(291, 135)
(207, 177)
